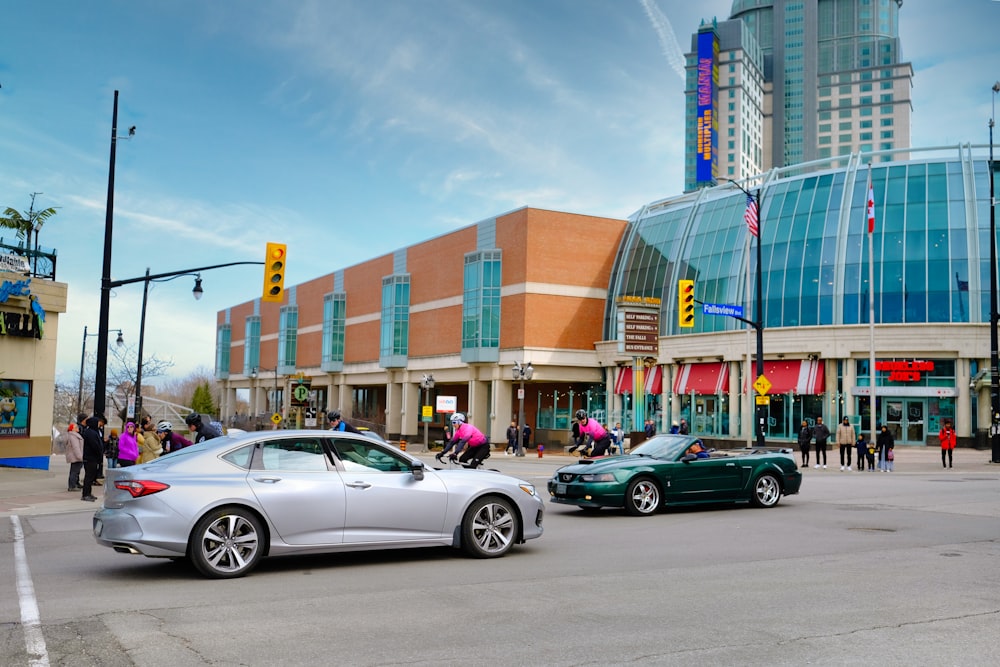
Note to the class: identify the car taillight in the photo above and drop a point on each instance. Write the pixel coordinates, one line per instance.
(141, 487)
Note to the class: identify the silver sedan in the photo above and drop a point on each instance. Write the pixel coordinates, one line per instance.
(228, 502)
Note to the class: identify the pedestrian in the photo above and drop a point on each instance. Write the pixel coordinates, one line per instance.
(618, 437)
(885, 444)
(128, 446)
(805, 438)
(683, 428)
(948, 439)
(150, 446)
(525, 437)
(821, 433)
(73, 443)
(870, 456)
(513, 435)
(650, 428)
(111, 449)
(199, 430)
(862, 446)
(674, 428)
(846, 438)
(93, 455)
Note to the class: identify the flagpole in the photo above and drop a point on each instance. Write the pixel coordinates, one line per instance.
(871, 305)
(749, 409)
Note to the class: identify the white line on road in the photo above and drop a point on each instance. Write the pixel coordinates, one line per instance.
(34, 642)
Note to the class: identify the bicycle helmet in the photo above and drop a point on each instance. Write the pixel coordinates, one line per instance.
(164, 426)
(458, 418)
(333, 415)
(581, 414)
(193, 419)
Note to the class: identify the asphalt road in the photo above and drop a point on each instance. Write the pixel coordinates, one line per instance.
(860, 568)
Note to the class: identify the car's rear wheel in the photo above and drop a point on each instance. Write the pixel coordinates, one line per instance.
(490, 527)
(766, 491)
(643, 497)
(227, 543)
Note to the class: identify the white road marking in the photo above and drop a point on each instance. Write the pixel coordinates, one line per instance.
(34, 641)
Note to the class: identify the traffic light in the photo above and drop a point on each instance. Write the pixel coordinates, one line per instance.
(274, 273)
(685, 303)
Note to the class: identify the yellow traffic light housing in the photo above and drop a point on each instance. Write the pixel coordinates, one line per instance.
(685, 303)
(274, 272)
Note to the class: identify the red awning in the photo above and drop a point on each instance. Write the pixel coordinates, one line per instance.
(654, 380)
(623, 385)
(710, 378)
(804, 377)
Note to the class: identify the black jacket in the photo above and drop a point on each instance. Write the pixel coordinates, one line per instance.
(93, 443)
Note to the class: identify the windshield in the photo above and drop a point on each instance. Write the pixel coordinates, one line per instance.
(666, 447)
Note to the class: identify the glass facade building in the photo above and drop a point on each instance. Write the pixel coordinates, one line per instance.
(928, 286)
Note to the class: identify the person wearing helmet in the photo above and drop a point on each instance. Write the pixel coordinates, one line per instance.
(201, 431)
(593, 436)
(170, 441)
(470, 445)
(337, 422)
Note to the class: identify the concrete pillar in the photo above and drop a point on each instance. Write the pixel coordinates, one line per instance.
(735, 399)
(410, 417)
(963, 402)
(393, 405)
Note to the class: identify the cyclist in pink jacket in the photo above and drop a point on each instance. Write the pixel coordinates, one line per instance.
(592, 434)
(471, 446)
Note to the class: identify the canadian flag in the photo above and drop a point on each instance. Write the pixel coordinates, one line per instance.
(871, 206)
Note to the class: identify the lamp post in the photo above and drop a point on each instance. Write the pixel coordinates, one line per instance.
(426, 383)
(197, 291)
(758, 324)
(521, 372)
(83, 356)
(994, 315)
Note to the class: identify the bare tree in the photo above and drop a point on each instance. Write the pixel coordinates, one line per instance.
(122, 364)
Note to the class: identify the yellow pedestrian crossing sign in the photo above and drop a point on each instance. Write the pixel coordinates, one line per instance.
(276, 418)
(762, 385)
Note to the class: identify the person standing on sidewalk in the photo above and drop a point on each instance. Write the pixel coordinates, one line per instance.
(948, 440)
(821, 432)
(805, 437)
(885, 443)
(513, 435)
(846, 438)
(93, 454)
(74, 457)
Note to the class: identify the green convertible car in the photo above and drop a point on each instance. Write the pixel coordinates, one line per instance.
(662, 472)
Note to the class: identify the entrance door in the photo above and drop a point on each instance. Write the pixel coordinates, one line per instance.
(905, 419)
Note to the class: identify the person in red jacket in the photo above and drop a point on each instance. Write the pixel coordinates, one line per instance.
(947, 438)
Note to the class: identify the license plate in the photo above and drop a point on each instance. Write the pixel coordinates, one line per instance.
(561, 489)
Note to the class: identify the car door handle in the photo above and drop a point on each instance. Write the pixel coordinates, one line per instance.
(359, 485)
(730, 465)
(267, 480)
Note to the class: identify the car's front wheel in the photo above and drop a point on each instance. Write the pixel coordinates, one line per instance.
(490, 527)
(643, 497)
(227, 543)
(766, 491)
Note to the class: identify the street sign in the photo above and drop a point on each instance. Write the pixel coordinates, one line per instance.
(427, 413)
(276, 418)
(763, 400)
(721, 309)
(300, 394)
(762, 385)
(447, 404)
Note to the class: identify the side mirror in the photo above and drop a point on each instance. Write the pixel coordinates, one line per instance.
(687, 458)
(417, 469)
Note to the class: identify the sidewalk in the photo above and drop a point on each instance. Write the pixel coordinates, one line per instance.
(26, 491)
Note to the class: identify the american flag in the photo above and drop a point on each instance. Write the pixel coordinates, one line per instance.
(750, 216)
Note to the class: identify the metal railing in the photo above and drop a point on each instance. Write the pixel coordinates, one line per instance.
(41, 261)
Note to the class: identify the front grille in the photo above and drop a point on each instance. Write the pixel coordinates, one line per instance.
(566, 477)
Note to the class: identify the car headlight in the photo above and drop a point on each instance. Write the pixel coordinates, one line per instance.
(598, 477)
(527, 488)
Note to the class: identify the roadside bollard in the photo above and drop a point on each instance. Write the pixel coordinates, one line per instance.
(402, 445)
(541, 450)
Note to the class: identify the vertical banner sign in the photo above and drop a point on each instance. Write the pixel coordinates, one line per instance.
(706, 162)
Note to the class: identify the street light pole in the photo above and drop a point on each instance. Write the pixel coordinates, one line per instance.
(100, 379)
(994, 315)
(521, 372)
(83, 357)
(758, 323)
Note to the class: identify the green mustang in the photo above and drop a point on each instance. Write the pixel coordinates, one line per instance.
(662, 471)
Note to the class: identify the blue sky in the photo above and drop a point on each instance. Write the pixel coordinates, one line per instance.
(350, 128)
